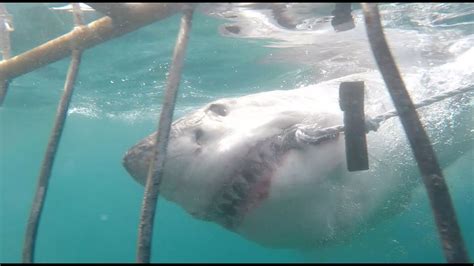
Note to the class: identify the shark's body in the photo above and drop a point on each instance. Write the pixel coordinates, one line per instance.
(226, 162)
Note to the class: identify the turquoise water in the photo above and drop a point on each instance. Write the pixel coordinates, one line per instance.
(92, 208)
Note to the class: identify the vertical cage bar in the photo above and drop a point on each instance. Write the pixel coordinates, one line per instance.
(48, 160)
(5, 28)
(440, 199)
(155, 171)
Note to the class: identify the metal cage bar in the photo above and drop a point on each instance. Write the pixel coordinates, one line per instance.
(117, 11)
(155, 170)
(5, 28)
(53, 144)
(440, 199)
(86, 37)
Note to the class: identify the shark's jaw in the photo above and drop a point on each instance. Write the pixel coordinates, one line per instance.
(249, 183)
(221, 158)
(244, 187)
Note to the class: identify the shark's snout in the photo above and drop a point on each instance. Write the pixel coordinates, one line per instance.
(137, 159)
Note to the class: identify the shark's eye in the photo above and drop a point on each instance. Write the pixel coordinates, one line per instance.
(233, 29)
(198, 133)
(219, 109)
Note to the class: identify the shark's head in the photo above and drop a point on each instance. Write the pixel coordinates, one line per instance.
(221, 158)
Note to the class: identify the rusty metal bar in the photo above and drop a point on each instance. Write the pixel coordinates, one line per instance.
(5, 28)
(155, 171)
(116, 11)
(3, 90)
(47, 165)
(77, 15)
(440, 199)
(85, 37)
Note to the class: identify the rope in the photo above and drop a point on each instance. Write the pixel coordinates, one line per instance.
(374, 123)
(47, 165)
(155, 171)
(310, 134)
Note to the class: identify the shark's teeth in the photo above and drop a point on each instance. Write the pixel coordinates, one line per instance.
(230, 204)
(249, 176)
(231, 193)
(237, 190)
(227, 197)
(241, 187)
(227, 209)
(232, 197)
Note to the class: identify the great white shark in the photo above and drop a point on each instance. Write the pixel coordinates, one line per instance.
(228, 161)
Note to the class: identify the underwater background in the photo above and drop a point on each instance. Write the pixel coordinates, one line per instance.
(92, 207)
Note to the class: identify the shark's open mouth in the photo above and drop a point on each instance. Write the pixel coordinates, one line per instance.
(248, 185)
